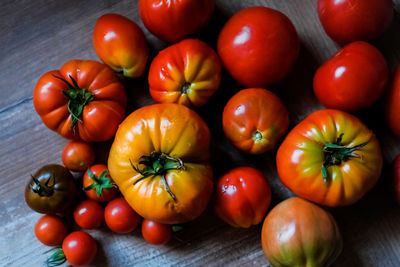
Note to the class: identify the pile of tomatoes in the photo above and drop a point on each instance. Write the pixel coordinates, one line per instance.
(160, 157)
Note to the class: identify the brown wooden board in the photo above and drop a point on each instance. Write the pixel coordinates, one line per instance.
(41, 35)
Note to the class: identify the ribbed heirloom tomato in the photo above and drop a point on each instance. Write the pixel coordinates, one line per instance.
(121, 44)
(330, 158)
(254, 119)
(186, 73)
(174, 20)
(160, 162)
(83, 100)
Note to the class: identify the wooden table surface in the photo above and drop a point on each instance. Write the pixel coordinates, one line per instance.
(38, 36)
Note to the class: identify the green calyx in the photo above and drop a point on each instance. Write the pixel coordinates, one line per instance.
(257, 136)
(99, 182)
(78, 98)
(336, 153)
(158, 163)
(57, 258)
(186, 88)
(43, 189)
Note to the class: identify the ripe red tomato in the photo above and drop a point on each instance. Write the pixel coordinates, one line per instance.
(77, 156)
(121, 44)
(98, 185)
(185, 73)
(89, 214)
(83, 100)
(354, 78)
(396, 179)
(254, 120)
(392, 104)
(156, 233)
(120, 217)
(258, 46)
(242, 197)
(172, 21)
(51, 230)
(347, 21)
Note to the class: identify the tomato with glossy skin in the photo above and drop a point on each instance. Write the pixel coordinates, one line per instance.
(120, 43)
(156, 233)
(347, 21)
(89, 214)
(258, 46)
(396, 179)
(120, 217)
(299, 233)
(254, 120)
(51, 230)
(98, 185)
(392, 104)
(173, 21)
(77, 156)
(160, 162)
(330, 158)
(186, 73)
(83, 100)
(242, 197)
(354, 78)
(51, 190)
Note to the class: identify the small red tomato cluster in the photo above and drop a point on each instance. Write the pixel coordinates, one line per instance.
(330, 158)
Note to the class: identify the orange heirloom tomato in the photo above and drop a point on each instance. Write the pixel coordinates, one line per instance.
(83, 100)
(186, 73)
(254, 120)
(160, 162)
(330, 158)
(299, 233)
(121, 44)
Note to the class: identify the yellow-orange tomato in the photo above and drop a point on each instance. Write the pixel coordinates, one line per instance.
(299, 233)
(330, 158)
(160, 162)
(121, 44)
(186, 73)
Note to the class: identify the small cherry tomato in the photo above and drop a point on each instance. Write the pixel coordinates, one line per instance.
(77, 156)
(89, 214)
(396, 179)
(51, 230)
(156, 233)
(392, 104)
(120, 43)
(353, 79)
(258, 46)
(172, 21)
(186, 73)
(120, 217)
(254, 120)
(78, 248)
(98, 185)
(242, 197)
(347, 21)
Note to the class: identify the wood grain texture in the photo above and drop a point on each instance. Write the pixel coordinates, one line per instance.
(38, 36)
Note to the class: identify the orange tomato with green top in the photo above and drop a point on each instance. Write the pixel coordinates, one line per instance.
(120, 43)
(186, 73)
(330, 158)
(160, 162)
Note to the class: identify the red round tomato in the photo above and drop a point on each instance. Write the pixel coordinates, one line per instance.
(98, 185)
(172, 21)
(392, 104)
(89, 214)
(77, 156)
(156, 233)
(121, 44)
(347, 21)
(120, 217)
(242, 197)
(254, 120)
(186, 73)
(396, 179)
(258, 46)
(83, 100)
(51, 230)
(354, 78)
